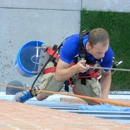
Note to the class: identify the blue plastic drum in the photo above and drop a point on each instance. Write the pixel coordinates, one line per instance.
(27, 59)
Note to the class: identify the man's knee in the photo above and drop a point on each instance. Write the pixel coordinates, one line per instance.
(92, 89)
(49, 83)
(41, 97)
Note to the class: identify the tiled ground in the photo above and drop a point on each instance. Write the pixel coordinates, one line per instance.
(17, 116)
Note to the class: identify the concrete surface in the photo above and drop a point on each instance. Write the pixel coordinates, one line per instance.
(58, 97)
(33, 20)
(107, 5)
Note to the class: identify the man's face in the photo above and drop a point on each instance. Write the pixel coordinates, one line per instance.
(98, 50)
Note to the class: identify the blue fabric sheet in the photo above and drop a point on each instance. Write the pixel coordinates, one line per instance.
(104, 107)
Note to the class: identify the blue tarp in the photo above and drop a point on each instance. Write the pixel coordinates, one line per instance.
(104, 107)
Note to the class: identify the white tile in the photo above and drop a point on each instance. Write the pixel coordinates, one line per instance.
(107, 5)
(43, 4)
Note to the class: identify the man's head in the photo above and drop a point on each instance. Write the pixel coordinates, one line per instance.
(98, 42)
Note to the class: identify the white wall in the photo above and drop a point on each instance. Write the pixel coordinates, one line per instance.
(107, 5)
(50, 21)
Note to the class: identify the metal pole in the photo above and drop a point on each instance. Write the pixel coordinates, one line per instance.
(105, 68)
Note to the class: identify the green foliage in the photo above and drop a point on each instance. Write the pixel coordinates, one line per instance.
(118, 26)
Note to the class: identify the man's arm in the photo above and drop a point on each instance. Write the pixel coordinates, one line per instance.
(105, 84)
(64, 71)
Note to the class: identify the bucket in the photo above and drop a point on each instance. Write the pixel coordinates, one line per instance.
(13, 91)
(27, 60)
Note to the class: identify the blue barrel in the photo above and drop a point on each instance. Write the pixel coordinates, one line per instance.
(27, 59)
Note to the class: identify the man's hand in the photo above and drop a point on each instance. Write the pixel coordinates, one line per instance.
(64, 71)
(82, 66)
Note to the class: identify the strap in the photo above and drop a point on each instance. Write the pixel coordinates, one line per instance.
(51, 52)
(49, 70)
(83, 81)
(92, 74)
(82, 52)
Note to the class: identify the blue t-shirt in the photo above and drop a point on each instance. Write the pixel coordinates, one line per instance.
(70, 50)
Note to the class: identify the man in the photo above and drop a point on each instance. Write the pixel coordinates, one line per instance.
(96, 51)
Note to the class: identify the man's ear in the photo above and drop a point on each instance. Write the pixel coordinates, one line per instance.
(88, 46)
(88, 43)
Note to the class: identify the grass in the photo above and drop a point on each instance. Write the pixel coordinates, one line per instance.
(118, 26)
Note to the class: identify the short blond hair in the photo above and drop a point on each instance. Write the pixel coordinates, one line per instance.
(98, 35)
